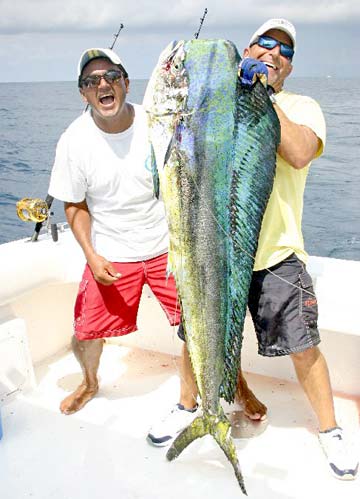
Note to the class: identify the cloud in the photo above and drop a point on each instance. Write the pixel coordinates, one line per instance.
(37, 16)
(41, 40)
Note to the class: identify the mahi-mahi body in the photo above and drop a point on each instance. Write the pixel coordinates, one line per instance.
(213, 151)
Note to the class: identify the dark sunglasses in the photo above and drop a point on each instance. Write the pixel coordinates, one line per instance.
(267, 42)
(93, 81)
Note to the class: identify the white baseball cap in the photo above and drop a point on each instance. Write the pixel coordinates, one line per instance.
(97, 53)
(281, 24)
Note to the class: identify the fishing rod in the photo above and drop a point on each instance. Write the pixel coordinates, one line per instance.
(116, 36)
(202, 19)
(36, 210)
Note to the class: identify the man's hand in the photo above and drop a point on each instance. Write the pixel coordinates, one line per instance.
(104, 271)
(250, 70)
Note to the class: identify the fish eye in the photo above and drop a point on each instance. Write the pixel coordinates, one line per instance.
(176, 67)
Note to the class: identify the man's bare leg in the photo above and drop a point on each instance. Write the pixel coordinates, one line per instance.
(88, 353)
(188, 387)
(313, 375)
(253, 408)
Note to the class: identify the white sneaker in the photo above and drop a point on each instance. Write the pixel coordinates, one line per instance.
(340, 454)
(164, 432)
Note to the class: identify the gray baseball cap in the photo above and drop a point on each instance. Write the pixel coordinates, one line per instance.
(280, 24)
(97, 53)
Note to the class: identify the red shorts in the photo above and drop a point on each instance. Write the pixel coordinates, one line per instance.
(104, 311)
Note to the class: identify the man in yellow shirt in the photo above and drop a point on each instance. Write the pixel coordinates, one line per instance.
(282, 302)
(285, 316)
(281, 298)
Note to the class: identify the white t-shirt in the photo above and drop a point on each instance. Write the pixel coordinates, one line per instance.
(113, 173)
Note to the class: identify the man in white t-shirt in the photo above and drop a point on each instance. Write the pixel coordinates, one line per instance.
(102, 174)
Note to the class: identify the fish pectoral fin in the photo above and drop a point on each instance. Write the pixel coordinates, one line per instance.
(155, 174)
(169, 149)
(220, 429)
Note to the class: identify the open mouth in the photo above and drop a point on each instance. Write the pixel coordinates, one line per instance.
(270, 65)
(107, 100)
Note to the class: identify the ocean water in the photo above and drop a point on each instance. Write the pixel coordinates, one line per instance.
(33, 115)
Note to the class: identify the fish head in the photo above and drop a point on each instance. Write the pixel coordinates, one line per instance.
(165, 101)
(191, 80)
(167, 89)
(188, 71)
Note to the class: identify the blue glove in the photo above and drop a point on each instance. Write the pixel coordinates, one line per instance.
(250, 70)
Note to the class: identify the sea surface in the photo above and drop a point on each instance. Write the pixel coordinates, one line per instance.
(33, 115)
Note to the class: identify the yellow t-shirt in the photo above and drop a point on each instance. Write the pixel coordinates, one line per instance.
(281, 233)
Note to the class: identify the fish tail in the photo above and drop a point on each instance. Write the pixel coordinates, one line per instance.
(220, 429)
(196, 429)
(228, 447)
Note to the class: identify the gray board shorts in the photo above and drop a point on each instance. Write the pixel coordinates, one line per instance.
(283, 308)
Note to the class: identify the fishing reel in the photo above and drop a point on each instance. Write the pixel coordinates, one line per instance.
(32, 210)
(38, 211)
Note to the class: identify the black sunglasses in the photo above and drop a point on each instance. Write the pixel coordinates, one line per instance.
(267, 42)
(93, 81)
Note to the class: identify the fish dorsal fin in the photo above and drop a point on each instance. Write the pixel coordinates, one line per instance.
(256, 138)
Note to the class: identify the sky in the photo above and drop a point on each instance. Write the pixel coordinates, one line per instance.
(41, 40)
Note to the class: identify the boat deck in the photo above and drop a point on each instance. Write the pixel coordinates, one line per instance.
(101, 451)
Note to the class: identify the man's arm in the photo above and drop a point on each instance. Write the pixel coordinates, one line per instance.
(78, 217)
(298, 144)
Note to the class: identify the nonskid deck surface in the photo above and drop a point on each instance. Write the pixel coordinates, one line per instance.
(101, 451)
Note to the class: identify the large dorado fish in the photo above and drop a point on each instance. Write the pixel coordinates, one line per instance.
(213, 151)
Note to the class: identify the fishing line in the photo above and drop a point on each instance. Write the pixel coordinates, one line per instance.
(228, 236)
(179, 116)
(174, 357)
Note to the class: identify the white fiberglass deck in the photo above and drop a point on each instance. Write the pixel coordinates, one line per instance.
(101, 451)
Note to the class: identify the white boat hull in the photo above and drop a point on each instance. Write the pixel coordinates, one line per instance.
(101, 451)
(41, 284)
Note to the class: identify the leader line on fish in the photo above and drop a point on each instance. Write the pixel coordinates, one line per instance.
(246, 252)
(202, 279)
(170, 113)
(180, 115)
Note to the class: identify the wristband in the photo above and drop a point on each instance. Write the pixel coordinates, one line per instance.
(273, 98)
